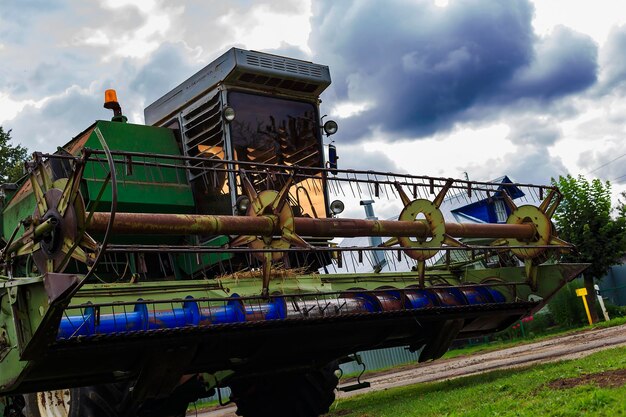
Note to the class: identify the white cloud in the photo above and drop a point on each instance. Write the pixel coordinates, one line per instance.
(10, 108)
(348, 109)
(447, 155)
(130, 41)
(269, 28)
(92, 38)
(145, 5)
(146, 39)
(595, 18)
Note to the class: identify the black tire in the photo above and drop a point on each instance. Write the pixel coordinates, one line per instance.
(290, 395)
(94, 401)
(111, 400)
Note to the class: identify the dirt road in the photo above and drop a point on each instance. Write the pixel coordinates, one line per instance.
(559, 348)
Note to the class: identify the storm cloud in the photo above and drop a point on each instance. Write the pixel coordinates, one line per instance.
(63, 55)
(528, 164)
(403, 70)
(423, 67)
(613, 59)
(45, 127)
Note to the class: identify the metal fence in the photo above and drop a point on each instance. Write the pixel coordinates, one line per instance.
(613, 285)
(380, 359)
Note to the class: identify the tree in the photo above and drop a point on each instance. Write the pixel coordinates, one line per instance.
(585, 219)
(11, 158)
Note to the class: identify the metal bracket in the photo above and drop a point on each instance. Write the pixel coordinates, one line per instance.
(359, 384)
(59, 288)
(12, 293)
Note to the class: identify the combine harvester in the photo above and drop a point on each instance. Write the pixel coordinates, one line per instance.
(144, 266)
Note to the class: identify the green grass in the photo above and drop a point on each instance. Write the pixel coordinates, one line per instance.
(613, 322)
(517, 392)
(202, 405)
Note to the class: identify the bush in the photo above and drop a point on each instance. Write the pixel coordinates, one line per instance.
(540, 323)
(566, 308)
(614, 310)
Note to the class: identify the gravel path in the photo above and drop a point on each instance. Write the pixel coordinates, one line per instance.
(559, 348)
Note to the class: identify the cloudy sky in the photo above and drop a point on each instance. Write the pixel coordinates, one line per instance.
(529, 88)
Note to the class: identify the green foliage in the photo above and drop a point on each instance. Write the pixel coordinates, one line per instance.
(513, 392)
(566, 308)
(584, 219)
(11, 158)
(615, 321)
(540, 324)
(614, 311)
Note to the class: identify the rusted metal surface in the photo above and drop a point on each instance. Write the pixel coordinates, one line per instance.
(178, 224)
(490, 230)
(57, 285)
(363, 227)
(40, 230)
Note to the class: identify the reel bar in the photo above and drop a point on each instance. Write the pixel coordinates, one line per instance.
(113, 248)
(198, 224)
(182, 224)
(285, 170)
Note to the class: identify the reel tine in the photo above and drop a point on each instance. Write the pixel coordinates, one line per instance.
(267, 273)
(421, 272)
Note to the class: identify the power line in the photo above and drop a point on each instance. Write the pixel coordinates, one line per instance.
(619, 178)
(610, 162)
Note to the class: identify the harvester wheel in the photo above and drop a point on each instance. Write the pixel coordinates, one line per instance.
(292, 395)
(108, 400)
(94, 401)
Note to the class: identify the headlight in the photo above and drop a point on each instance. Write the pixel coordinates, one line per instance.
(228, 113)
(242, 204)
(337, 207)
(330, 127)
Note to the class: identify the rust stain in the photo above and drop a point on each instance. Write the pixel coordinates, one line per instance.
(131, 223)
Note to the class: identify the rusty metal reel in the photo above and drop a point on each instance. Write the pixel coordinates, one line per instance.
(434, 218)
(543, 231)
(51, 255)
(262, 205)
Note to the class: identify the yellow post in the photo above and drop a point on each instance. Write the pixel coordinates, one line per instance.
(582, 292)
